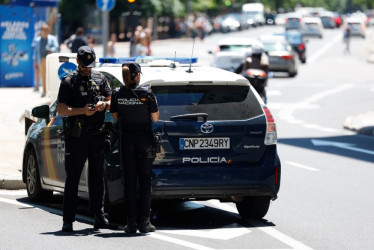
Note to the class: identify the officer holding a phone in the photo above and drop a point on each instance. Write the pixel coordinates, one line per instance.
(84, 95)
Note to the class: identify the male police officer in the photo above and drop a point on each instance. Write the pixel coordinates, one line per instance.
(79, 99)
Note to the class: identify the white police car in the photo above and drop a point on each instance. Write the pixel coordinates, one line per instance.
(218, 139)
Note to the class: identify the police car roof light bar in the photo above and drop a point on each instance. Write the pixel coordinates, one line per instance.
(146, 59)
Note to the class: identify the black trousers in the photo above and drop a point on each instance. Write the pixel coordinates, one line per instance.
(137, 161)
(78, 150)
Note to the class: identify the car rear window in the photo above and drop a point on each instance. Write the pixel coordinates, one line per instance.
(233, 47)
(293, 23)
(275, 46)
(219, 102)
(294, 38)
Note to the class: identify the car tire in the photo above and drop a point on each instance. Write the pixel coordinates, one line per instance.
(292, 74)
(34, 188)
(255, 207)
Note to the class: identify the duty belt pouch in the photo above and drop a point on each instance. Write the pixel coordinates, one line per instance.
(156, 143)
(76, 130)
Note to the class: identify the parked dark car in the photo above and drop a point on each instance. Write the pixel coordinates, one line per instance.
(218, 140)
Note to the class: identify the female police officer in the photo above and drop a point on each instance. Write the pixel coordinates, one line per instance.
(134, 107)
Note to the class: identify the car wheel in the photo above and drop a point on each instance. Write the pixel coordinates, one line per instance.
(254, 207)
(292, 74)
(34, 188)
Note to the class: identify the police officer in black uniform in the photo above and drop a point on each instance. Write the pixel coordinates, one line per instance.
(136, 107)
(84, 95)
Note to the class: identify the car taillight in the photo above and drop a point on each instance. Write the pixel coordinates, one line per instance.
(287, 57)
(271, 128)
(251, 72)
(301, 46)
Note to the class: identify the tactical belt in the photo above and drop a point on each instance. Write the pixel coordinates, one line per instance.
(134, 127)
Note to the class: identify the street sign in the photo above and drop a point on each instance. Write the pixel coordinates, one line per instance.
(105, 5)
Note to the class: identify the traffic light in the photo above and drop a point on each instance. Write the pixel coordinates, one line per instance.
(131, 1)
(227, 3)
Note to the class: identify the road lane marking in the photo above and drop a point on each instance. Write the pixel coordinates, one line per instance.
(343, 145)
(301, 166)
(295, 244)
(179, 242)
(259, 225)
(325, 48)
(287, 111)
(13, 192)
(44, 208)
(224, 233)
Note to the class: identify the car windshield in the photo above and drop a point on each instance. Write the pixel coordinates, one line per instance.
(219, 102)
(234, 47)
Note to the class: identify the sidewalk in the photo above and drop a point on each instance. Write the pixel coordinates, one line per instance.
(14, 101)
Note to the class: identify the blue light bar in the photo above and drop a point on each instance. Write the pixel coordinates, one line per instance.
(146, 59)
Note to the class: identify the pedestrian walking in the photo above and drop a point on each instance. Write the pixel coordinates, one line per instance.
(141, 47)
(79, 40)
(83, 97)
(111, 45)
(35, 66)
(347, 40)
(44, 45)
(91, 41)
(135, 108)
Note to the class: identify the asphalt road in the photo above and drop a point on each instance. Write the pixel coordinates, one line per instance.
(325, 196)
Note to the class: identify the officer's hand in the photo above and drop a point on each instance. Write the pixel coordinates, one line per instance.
(88, 110)
(100, 106)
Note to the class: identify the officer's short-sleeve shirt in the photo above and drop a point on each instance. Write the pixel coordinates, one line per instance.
(76, 91)
(134, 108)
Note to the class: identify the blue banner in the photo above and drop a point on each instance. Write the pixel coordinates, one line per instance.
(17, 33)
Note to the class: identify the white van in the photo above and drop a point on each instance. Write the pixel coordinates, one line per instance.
(255, 9)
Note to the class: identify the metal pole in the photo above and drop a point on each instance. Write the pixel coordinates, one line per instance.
(105, 29)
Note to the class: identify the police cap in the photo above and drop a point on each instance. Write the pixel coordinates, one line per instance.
(86, 56)
(133, 67)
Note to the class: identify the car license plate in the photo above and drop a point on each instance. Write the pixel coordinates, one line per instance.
(204, 143)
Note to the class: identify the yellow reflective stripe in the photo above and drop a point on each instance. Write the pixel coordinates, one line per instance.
(49, 161)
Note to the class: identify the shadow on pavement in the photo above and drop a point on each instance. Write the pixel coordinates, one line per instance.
(355, 147)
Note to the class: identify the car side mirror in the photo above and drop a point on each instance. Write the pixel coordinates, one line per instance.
(41, 112)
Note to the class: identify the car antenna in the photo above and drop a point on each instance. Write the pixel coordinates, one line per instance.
(173, 65)
(193, 46)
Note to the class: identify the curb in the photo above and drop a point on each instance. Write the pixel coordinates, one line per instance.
(12, 184)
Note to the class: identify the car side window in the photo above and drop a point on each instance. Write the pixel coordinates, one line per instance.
(113, 81)
(53, 110)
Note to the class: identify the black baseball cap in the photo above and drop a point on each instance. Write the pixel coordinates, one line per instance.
(133, 67)
(86, 56)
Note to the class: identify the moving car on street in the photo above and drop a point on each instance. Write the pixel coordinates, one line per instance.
(282, 58)
(218, 139)
(312, 27)
(297, 41)
(230, 52)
